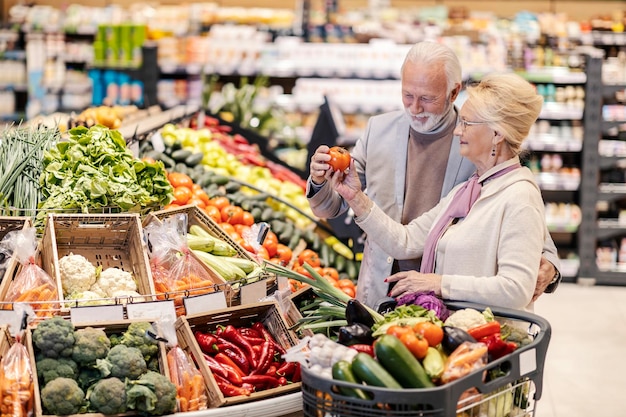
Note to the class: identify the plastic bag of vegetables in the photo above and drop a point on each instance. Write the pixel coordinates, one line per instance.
(32, 284)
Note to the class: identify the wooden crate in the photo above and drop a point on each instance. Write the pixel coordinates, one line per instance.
(9, 224)
(110, 328)
(292, 312)
(6, 341)
(106, 240)
(266, 312)
(196, 216)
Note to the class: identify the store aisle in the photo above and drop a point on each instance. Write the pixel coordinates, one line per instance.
(585, 372)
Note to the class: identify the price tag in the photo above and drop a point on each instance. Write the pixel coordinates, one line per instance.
(10, 318)
(204, 303)
(527, 362)
(151, 310)
(252, 293)
(93, 314)
(157, 142)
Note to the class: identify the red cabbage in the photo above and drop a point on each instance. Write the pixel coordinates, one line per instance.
(428, 300)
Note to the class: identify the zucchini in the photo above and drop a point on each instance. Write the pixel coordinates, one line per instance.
(400, 362)
(370, 371)
(295, 239)
(220, 179)
(194, 159)
(267, 214)
(180, 155)
(433, 363)
(342, 371)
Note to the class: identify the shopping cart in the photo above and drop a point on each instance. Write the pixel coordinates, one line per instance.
(507, 387)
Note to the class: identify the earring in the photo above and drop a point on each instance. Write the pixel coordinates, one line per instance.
(493, 150)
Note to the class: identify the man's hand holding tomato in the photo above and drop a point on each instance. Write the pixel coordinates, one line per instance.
(327, 160)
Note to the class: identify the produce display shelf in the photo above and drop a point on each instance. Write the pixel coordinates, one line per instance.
(288, 405)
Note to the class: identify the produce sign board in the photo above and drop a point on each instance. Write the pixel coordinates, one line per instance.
(115, 332)
(105, 240)
(9, 224)
(266, 313)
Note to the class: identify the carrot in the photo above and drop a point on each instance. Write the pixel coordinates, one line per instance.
(32, 294)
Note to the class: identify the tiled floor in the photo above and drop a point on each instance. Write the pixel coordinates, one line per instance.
(585, 370)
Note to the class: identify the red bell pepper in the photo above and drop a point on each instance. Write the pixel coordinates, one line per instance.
(485, 329)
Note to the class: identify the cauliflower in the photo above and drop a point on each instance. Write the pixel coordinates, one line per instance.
(123, 362)
(77, 273)
(54, 337)
(63, 396)
(88, 298)
(108, 396)
(52, 368)
(91, 344)
(136, 335)
(466, 319)
(152, 394)
(112, 280)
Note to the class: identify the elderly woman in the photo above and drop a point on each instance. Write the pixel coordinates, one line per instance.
(483, 242)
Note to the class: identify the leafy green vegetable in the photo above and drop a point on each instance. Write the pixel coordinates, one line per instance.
(94, 169)
(406, 315)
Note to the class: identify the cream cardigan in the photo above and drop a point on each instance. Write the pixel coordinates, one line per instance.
(490, 257)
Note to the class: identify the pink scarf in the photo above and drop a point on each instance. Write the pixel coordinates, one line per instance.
(459, 207)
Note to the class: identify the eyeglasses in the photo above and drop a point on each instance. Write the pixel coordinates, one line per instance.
(465, 123)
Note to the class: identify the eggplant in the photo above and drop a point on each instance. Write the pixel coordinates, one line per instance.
(355, 334)
(453, 337)
(357, 313)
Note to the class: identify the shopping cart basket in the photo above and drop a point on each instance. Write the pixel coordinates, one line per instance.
(512, 393)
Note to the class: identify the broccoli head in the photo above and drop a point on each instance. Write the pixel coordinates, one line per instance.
(108, 396)
(63, 396)
(136, 335)
(54, 337)
(123, 362)
(52, 368)
(91, 344)
(152, 394)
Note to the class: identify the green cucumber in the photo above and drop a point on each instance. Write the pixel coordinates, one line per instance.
(342, 371)
(180, 155)
(370, 371)
(400, 362)
(194, 159)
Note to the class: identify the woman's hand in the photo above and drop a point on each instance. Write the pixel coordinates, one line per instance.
(319, 168)
(412, 281)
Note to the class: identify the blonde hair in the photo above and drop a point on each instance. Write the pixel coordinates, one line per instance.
(509, 104)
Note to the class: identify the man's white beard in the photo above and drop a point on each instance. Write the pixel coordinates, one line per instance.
(427, 126)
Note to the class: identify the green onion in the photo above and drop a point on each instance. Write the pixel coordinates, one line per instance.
(322, 287)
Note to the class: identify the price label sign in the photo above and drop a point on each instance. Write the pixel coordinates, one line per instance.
(95, 314)
(252, 293)
(151, 310)
(204, 303)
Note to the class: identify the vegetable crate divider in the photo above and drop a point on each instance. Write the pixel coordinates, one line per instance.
(9, 224)
(106, 240)
(292, 312)
(192, 219)
(522, 371)
(112, 327)
(266, 312)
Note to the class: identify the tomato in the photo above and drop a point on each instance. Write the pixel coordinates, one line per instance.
(398, 330)
(195, 200)
(178, 179)
(417, 344)
(182, 195)
(214, 213)
(248, 218)
(232, 214)
(431, 332)
(284, 253)
(271, 243)
(200, 194)
(310, 257)
(339, 158)
(331, 273)
(220, 202)
(349, 290)
(261, 252)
